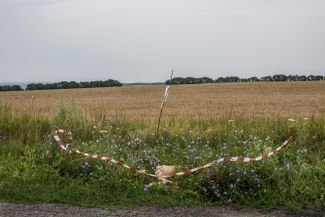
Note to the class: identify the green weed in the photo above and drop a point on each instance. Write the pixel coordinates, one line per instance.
(34, 169)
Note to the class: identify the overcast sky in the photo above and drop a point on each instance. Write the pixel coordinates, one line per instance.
(142, 40)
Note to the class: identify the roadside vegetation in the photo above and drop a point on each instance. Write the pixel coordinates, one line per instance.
(34, 169)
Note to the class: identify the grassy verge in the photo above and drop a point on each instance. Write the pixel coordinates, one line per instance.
(34, 169)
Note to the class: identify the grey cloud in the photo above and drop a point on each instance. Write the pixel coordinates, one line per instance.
(27, 3)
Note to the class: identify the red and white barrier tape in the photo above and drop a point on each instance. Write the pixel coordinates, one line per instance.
(143, 172)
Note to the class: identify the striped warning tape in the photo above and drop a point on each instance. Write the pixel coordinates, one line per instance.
(143, 172)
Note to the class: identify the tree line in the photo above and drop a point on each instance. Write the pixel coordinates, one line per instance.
(73, 84)
(11, 88)
(276, 78)
(63, 85)
(176, 80)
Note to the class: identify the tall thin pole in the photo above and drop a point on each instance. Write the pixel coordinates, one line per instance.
(164, 101)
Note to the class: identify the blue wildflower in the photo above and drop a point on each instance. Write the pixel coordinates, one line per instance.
(288, 166)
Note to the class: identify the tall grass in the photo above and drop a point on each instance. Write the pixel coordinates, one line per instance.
(34, 169)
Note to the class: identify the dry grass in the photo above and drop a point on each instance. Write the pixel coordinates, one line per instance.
(287, 99)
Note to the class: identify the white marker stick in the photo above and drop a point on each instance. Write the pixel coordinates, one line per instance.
(164, 100)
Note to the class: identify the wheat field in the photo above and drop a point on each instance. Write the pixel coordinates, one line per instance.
(284, 100)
